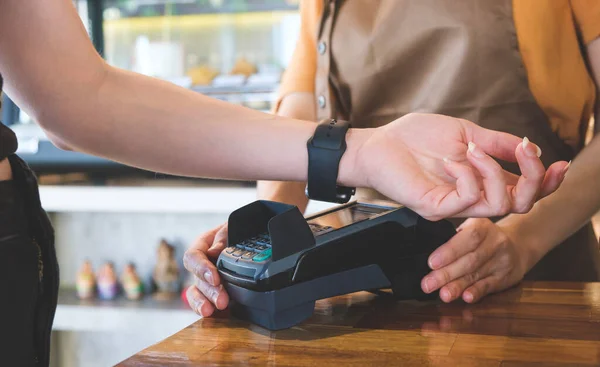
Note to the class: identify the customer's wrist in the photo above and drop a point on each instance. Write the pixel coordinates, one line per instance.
(351, 171)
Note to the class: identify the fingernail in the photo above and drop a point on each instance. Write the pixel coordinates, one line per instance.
(468, 297)
(199, 309)
(430, 285)
(566, 169)
(434, 262)
(217, 292)
(533, 151)
(476, 152)
(214, 294)
(209, 278)
(446, 295)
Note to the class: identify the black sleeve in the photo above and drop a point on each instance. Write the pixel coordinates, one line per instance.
(8, 139)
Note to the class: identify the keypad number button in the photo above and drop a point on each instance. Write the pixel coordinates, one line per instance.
(248, 255)
(238, 253)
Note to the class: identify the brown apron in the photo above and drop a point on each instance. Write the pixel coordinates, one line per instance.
(379, 60)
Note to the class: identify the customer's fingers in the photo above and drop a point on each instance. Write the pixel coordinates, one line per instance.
(511, 178)
(525, 193)
(496, 200)
(447, 200)
(494, 143)
(198, 302)
(555, 174)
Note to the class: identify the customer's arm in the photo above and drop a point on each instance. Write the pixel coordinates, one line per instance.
(484, 257)
(299, 105)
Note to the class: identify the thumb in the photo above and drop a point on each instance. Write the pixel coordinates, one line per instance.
(219, 242)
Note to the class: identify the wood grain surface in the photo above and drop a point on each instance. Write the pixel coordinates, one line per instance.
(535, 324)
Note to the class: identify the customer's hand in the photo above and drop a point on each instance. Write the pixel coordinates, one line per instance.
(480, 259)
(207, 292)
(421, 161)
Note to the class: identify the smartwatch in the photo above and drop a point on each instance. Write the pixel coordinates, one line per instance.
(325, 150)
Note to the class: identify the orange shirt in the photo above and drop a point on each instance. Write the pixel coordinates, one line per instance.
(549, 34)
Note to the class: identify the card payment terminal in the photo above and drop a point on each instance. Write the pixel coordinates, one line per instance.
(278, 263)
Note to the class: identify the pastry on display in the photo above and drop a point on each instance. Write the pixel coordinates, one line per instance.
(166, 272)
(86, 281)
(202, 75)
(131, 283)
(107, 282)
(243, 67)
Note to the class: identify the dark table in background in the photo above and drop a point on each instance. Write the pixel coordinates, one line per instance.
(535, 324)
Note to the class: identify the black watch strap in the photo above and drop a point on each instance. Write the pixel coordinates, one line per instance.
(325, 150)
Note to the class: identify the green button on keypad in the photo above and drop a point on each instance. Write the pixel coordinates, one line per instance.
(262, 256)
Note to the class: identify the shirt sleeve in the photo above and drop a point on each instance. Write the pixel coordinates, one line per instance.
(301, 72)
(587, 17)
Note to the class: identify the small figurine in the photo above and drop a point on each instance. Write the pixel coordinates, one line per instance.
(131, 283)
(107, 282)
(86, 281)
(166, 272)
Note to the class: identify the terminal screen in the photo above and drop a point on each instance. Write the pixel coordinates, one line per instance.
(352, 214)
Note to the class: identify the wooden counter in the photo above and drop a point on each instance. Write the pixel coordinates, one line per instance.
(536, 324)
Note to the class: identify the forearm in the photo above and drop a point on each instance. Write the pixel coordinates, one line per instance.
(298, 105)
(157, 126)
(154, 125)
(555, 218)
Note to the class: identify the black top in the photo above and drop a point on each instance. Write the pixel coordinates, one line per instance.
(8, 139)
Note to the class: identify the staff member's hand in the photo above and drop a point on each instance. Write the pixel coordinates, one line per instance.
(440, 167)
(482, 258)
(207, 292)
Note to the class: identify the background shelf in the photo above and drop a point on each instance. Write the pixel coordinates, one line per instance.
(162, 317)
(139, 199)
